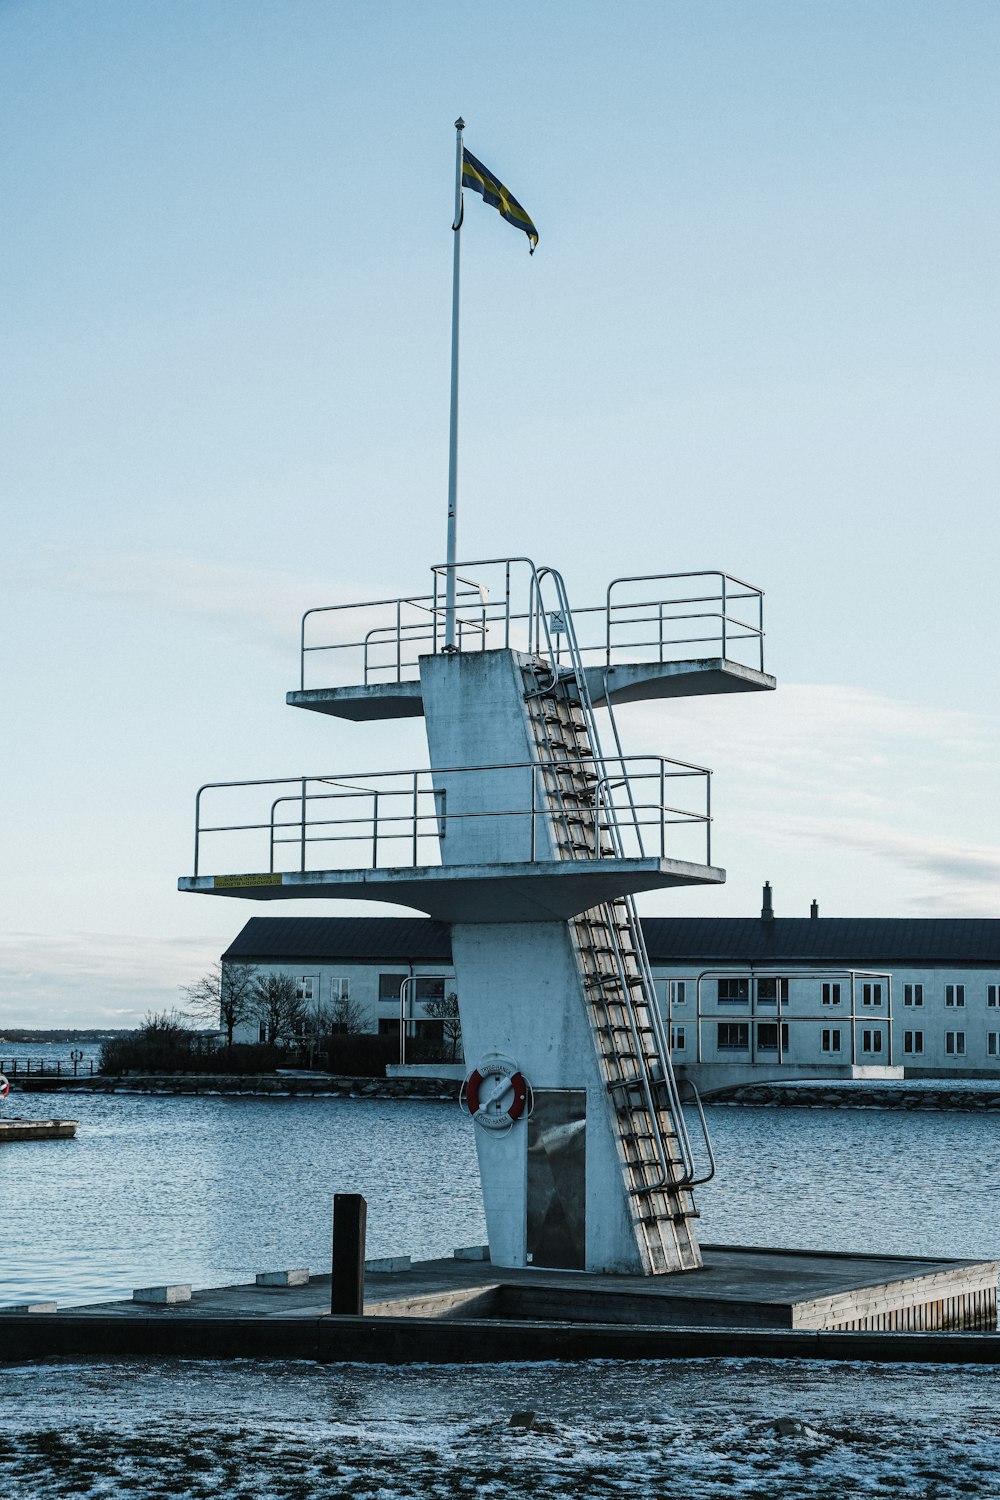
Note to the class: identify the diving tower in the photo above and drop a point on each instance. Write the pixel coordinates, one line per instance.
(531, 837)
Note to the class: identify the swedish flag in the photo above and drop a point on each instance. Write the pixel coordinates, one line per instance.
(481, 180)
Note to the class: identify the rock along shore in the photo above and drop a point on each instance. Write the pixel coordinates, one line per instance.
(320, 1086)
(982, 1100)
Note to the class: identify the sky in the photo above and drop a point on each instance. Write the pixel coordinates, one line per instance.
(760, 333)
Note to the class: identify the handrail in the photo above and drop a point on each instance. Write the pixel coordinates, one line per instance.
(410, 805)
(668, 1177)
(528, 625)
(826, 1017)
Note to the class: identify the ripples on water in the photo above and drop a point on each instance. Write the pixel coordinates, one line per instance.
(213, 1189)
(701, 1429)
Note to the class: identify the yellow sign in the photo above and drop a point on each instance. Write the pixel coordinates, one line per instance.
(234, 882)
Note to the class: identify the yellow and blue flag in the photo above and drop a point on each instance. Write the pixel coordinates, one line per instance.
(481, 180)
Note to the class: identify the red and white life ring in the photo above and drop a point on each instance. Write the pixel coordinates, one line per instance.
(4, 1087)
(500, 1107)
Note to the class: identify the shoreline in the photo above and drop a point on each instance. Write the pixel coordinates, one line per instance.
(985, 1100)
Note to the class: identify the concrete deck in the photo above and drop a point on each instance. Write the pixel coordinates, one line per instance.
(747, 1301)
(627, 683)
(737, 1288)
(540, 891)
(37, 1130)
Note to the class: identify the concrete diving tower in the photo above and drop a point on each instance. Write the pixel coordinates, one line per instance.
(531, 841)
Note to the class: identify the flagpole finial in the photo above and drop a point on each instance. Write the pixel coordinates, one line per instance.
(460, 123)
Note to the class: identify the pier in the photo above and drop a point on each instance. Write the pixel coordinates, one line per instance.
(37, 1130)
(742, 1302)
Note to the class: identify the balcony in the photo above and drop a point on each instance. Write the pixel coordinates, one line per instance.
(507, 842)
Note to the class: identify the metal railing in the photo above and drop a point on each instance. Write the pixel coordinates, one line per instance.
(661, 1076)
(47, 1067)
(408, 998)
(395, 819)
(655, 617)
(753, 1011)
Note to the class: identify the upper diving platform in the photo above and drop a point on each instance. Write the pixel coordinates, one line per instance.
(495, 843)
(666, 635)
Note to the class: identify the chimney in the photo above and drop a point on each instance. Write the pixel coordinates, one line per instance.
(767, 910)
(814, 910)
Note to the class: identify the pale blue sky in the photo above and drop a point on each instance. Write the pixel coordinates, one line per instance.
(760, 332)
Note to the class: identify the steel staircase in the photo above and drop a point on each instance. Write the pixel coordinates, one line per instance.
(628, 1031)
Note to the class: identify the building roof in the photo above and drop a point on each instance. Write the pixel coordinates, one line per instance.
(268, 940)
(847, 942)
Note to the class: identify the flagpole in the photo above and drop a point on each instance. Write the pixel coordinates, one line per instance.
(449, 614)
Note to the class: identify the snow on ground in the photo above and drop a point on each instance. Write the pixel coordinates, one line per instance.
(295, 1431)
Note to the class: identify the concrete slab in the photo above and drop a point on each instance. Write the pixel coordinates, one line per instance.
(629, 682)
(746, 1301)
(297, 1277)
(364, 702)
(37, 1130)
(514, 892)
(738, 1287)
(634, 682)
(163, 1296)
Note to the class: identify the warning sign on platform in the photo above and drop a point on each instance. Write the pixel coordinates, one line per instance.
(232, 882)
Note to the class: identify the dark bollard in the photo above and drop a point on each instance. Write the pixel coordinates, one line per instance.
(347, 1291)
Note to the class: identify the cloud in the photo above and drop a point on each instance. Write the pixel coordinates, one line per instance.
(88, 978)
(257, 606)
(887, 796)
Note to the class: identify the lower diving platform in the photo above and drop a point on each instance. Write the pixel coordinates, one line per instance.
(540, 891)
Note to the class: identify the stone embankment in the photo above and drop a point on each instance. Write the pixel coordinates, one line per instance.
(322, 1086)
(980, 1100)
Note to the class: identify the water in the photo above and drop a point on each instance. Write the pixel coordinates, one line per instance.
(702, 1429)
(211, 1190)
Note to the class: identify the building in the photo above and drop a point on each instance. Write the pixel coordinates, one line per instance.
(797, 993)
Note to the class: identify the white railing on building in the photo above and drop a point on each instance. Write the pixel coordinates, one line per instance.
(754, 1011)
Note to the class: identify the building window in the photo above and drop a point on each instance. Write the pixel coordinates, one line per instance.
(431, 988)
(770, 991)
(388, 986)
(305, 988)
(340, 989)
(387, 1027)
(871, 1041)
(913, 1042)
(734, 1036)
(991, 994)
(954, 1043)
(733, 991)
(831, 1036)
(678, 992)
(993, 1043)
(262, 1032)
(767, 1036)
(954, 994)
(677, 1038)
(871, 994)
(831, 996)
(913, 994)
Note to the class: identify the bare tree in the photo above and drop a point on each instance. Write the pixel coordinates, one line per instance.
(225, 997)
(279, 1006)
(346, 1017)
(445, 1010)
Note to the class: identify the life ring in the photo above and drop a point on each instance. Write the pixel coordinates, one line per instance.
(488, 1111)
(4, 1087)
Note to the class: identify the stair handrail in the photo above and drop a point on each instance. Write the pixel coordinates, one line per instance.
(668, 1177)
